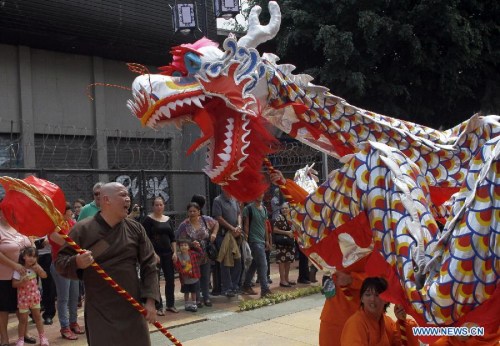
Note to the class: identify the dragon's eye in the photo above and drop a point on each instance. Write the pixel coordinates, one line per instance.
(192, 62)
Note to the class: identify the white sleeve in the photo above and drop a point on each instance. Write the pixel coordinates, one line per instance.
(16, 275)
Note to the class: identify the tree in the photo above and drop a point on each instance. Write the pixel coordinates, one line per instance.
(434, 62)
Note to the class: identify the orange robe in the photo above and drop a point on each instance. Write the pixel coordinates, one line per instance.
(361, 329)
(338, 309)
(345, 303)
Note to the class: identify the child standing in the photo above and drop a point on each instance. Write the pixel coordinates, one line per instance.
(28, 295)
(188, 266)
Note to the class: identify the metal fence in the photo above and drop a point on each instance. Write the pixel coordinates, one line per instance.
(176, 187)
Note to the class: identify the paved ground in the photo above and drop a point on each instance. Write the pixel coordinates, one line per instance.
(295, 322)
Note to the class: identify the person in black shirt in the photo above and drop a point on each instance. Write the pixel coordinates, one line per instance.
(161, 233)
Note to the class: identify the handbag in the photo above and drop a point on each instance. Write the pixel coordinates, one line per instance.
(283, 240)
(246, 253)
(209, 248)
(211, 251)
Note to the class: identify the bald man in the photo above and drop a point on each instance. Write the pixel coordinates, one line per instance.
(117, 243)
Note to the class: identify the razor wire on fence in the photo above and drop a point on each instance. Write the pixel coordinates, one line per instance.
(293, 155)
(67, 156)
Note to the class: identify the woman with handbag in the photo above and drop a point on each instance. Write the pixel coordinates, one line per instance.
(285, 244)
(202, 229)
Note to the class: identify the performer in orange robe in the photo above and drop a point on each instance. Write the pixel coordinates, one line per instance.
(370, 326)
(340, 307)
(346, 301)
(362, 329)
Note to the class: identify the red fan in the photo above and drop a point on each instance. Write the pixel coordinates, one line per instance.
(35, 207)
(28, 205)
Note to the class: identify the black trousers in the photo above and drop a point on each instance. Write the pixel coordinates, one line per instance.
(48, 287)
(216, 275)
(167, 266)
(303, 266)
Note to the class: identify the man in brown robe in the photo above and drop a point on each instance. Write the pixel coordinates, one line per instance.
(118, 244)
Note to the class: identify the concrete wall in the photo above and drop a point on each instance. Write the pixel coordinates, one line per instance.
(45, 92)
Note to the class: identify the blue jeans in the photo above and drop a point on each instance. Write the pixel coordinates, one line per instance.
(67, 298)
(259, 264)
(230, 276)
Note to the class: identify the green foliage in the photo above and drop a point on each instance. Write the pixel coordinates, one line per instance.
(278, 297)
(433, 62)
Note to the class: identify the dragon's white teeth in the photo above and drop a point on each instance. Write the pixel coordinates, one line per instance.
(187, 101)
(218, 170)
(179, 103)
(130, 103)
(172, 106)
(202, 97)
(131, 106)
(165, 111)
(228, 150)
(208, 172)
(228, 142)
(196, 101)
(157, 115)
(224, 157)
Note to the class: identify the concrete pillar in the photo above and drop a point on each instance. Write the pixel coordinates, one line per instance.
(26, 108)
(99, 126)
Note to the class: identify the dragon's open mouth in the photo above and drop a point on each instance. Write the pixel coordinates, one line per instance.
(160, 100)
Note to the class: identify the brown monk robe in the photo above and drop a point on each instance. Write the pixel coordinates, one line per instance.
(109, 318)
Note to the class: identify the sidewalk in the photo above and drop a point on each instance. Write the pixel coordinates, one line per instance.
(223, 308)
(294, 322)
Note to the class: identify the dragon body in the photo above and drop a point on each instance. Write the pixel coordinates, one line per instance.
(398, 177)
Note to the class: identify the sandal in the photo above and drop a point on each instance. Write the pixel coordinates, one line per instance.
(172, 309)
(29, 340)
(43, 340)
(75, 328)
(66, 333)
(160, 313)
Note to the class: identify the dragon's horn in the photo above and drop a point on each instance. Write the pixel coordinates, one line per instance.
(256, 33)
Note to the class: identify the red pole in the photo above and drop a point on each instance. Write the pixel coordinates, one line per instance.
(283, 188)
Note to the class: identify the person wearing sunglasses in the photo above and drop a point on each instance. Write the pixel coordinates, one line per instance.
(93, 207)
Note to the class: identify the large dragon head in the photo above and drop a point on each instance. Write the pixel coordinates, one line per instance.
(221, 92)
